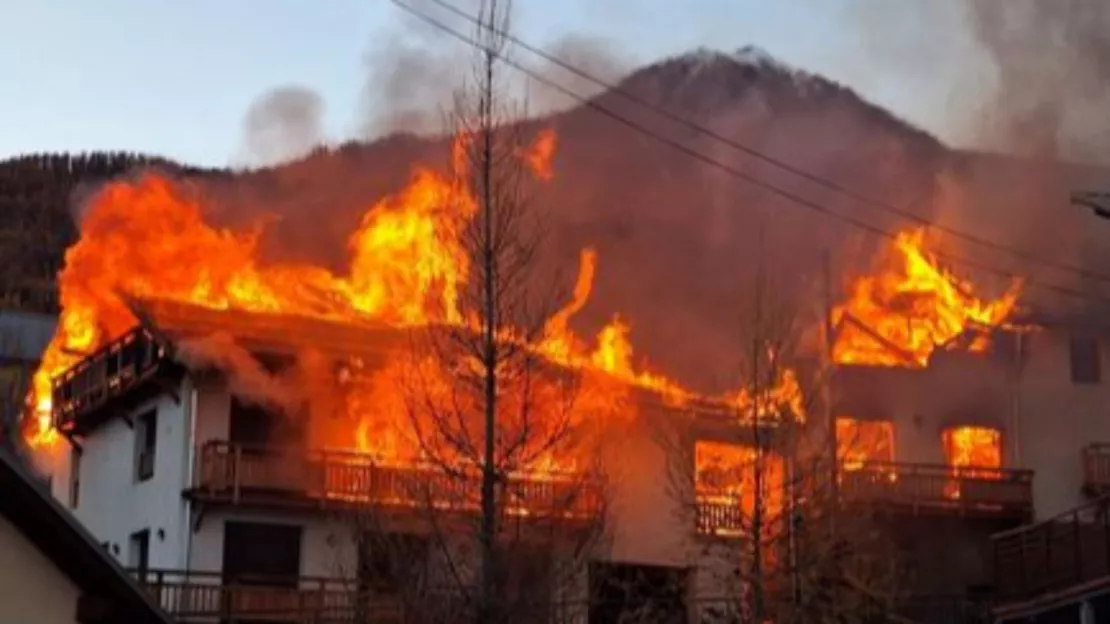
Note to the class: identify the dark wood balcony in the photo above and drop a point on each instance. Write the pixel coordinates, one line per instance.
(209, 597)
(108, 382)
(1046, 560)
(268, 476)
(1096, 469)
(935, 488)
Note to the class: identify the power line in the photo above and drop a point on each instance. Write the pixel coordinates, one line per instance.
(709, 160)
(785, 166)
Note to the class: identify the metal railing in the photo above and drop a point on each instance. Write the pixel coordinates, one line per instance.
(236, 473)
(988, 491)
(1056, 554)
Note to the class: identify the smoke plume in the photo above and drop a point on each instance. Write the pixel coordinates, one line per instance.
(282, 124)
(1027, 77)
(247, 378)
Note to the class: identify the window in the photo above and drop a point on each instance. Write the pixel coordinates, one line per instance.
(74, 477)
(138, 552)
(862, 441)
(971, 447)
(1085, 360)
(146, 433)
(265, 554)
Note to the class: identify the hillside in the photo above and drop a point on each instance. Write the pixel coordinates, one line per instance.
(677, 239)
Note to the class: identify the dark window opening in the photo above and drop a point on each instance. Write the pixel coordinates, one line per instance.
(524, 579)
(138, 553)
(262, 554)
(146, 434)
(254, 426)
(1085, 360)
(637, 593)
(74, 478)
(390, 563)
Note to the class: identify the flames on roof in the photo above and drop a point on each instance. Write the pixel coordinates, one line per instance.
(147, 240)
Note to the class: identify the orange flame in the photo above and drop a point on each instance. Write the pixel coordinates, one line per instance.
(863, 441)
(148, 238)
(726, 474)
(899, 317)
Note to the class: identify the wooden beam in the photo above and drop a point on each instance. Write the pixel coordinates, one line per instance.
(883, 342)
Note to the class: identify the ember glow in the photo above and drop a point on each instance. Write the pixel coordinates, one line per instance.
(148, 239)
(863, 441)
(726, 475)
(969, 448)
(914, 306)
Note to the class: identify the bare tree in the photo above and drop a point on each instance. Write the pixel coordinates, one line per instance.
(508, 485)
(785, 547)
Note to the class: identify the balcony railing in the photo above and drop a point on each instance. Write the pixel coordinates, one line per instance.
(932, 487)
(1054, 555)
(240, 474)
(718, 515)
(1096, 469)
(208, 596)
(109, 373)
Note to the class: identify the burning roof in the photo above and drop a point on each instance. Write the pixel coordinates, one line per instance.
(147, 239)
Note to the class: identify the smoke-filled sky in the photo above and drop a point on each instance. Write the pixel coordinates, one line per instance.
(216, 82)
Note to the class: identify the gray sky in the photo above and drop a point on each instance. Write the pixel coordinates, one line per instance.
(176, 78)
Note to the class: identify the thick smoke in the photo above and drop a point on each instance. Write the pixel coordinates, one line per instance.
(246, 376)
(1033, 75)
(281, 125)
(414, 71)
(1053, 61)
(596, 57)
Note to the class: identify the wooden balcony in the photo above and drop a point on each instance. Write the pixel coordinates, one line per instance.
(108, 381)
(1096, 469)
(1047, 559)
(268, 476)
(208, 597)
(933, 488)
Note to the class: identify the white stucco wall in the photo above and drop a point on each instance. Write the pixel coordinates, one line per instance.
(32, 589)
(1057, 419)
(327, 544)
(113, 504)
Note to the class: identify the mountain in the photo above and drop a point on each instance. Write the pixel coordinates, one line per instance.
(678, 239)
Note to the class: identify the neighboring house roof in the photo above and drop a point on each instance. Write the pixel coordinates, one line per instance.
(108, 594)
(24, 336)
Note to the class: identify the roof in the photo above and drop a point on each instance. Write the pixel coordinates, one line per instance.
(24, 336)
(73, 550)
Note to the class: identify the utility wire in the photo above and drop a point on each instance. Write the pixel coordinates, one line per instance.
(713, 162)
(785, 166)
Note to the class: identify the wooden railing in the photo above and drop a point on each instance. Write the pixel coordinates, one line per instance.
(235, 473)
(208, 596)
(996, 492)
(1068, 550)
(1096, 468)
(718, 516)
(110, 372)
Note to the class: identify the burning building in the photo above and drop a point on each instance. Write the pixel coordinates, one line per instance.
(236, 428)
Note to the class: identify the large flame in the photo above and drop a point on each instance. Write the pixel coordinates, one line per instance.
(898, 317)
(148, 238)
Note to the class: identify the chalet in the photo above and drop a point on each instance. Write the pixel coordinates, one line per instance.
(222, 511)
(53, 571)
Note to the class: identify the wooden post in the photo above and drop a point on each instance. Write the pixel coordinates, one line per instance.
(1077, 527)
(236, 472)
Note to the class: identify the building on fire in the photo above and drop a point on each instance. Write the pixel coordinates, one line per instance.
(219, 506)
